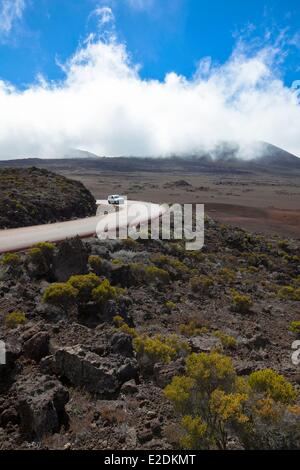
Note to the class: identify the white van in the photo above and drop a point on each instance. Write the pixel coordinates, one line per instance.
(116, 199)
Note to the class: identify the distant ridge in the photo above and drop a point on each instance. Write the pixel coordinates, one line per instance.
(77, 153)
(225, 158)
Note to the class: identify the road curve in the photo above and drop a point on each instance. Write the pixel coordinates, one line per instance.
(22, 238)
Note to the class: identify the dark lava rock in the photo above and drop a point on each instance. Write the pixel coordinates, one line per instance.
(258, 341)
(128, 370)
(122, 275)
(41, 402)
(100, 375)
(71, 259)
(204, 343)
(164, 373)
(145, 435)
(129, 388)
(121, 343)
(244, 367)
(10, 415)
(37, 346)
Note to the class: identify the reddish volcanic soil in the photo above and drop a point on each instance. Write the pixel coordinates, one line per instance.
(284, 222)
(256, 202)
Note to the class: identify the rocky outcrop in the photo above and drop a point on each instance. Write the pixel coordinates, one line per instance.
(164, 373)
(32, 196)
(121, 343)
(100, 375)
(204, 343)
(41, 402)
(70, 259)
(37, 346)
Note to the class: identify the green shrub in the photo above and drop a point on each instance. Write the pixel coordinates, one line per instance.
(295, 327)
(180, 346)
(122, 326)
(273, 385)
(158, 349)
(47, 250)
(202, 284)
(214, 403)
(149, 274)
(61, 295)
(155, 349)
(154, 274)
(95, 263)
(196, 255)
(289, 293)
(227, 275)
(256, 259)
(11, 260)
(170, 305)
(41, 256)
(227, 341)
(283, 245)
(166, 262)
(192, 328)
(241, 303)
(208, 400)
(14, 319)
(84, 285)
(105, 292)
(130, 243)
(36, 256)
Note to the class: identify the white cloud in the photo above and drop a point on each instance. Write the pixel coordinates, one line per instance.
(11, 11)
(104, 106)
(104, 14)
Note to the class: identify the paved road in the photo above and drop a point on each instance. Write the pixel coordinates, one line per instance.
(25, 237)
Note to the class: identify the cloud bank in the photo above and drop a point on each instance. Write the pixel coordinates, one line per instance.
(104, 106)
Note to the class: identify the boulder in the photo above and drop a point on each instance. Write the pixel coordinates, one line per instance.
(164, 373)
(204, 343)
(41, 403)
(70, 259)
(244, 367)
(122, 275)
(258, 341)
(121, 343)
(37, 346)
(9, 416)
(129, 388)
(100, 375)
(128, 370)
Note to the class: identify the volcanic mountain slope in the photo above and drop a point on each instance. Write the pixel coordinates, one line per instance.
(31, 196)
(226, 157)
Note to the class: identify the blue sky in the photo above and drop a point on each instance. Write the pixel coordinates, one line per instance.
(161, 35)
(148, 77)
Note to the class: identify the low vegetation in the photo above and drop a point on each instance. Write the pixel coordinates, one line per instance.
(192, 346)
(14, 319)
(214, 402)
(295, 327)
(60, 295)
(241, 303)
